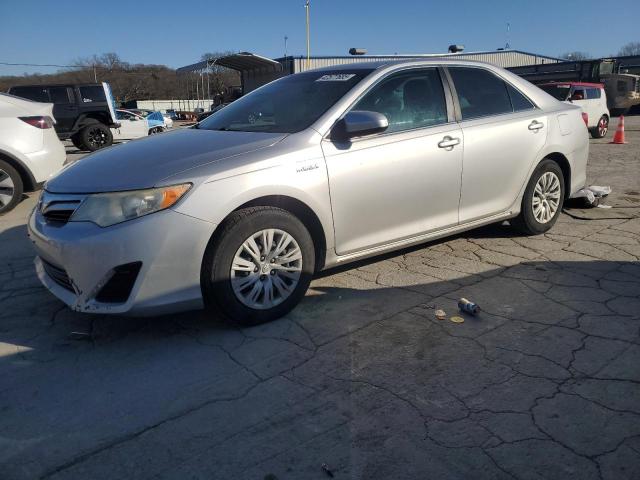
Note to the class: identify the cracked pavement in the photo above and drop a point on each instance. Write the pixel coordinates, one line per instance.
(543, 384)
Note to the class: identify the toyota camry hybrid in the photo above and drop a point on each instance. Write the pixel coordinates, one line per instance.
(310, 171)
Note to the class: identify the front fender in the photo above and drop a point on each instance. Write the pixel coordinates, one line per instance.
(305, 181)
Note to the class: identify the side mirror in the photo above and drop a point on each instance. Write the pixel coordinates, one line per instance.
(358, 123)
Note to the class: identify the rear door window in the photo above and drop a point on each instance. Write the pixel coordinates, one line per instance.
(518, 101)
(578, 94)
(593, 93)
(92, 94)
(60, 95)
(480, 92)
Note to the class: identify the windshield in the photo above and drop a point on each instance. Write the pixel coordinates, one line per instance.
(288, 105)
(560, 92)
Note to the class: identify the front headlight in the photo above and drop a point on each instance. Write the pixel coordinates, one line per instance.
(107, 209)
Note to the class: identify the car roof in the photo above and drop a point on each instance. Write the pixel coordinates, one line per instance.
(572, 84)
(48, 85)
(377, 64)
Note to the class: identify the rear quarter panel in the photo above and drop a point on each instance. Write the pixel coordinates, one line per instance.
(569, 136)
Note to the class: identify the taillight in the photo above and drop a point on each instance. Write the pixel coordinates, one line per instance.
(585, 117)
(38, 122)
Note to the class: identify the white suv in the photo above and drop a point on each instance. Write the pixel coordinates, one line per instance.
(590, 97)
(30, 151)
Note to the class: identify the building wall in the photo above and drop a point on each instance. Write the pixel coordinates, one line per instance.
(506, 58)
(252, 79)
(181, 105)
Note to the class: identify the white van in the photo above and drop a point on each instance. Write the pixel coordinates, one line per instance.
(588, 96)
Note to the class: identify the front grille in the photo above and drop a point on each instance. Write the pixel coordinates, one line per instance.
(118, 288)
(58, 208)
(62, 216)
(58, 275)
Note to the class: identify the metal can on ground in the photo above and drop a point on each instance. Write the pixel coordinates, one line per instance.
(468, 306)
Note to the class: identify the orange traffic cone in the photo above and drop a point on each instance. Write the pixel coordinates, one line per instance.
(618, 138)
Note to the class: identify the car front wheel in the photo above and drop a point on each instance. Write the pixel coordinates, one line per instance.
(259, 266)
(543, 199)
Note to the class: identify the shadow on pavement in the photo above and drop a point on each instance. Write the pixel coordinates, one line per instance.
(361, 376)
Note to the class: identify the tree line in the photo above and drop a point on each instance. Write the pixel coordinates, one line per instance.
(130, 81)
(631, 48)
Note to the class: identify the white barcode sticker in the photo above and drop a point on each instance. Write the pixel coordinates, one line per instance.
(336, 77)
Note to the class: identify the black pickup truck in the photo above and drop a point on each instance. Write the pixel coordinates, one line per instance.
(84, 113)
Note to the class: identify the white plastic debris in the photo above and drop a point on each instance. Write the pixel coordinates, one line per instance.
(600, 191)
(592, 194)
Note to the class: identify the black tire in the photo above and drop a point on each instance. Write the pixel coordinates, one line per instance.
(95, 136)
(601, 129)
(526, 222)
(216, 284)
(77, 142)
(13, 187)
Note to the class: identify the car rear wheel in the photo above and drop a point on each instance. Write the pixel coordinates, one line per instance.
(259, 266)
(543, 199)
(600, 130)
(10, 187)
(96, 136)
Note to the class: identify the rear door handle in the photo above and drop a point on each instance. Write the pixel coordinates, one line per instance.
(448, 142)
(535, 125)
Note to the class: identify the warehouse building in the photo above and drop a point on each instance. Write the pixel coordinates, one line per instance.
(256, 70)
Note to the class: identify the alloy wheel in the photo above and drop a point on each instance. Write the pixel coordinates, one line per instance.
(7, 188)
(96, 137)
(603, 126)
(546, 197)
(266, 269)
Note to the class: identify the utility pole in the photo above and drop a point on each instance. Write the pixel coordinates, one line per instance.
(507, 46)
(307, 8)
(285, 45)
(95, 76)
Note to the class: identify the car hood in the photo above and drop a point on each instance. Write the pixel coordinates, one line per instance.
(144, 163)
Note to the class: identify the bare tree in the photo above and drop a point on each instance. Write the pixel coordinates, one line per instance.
(631, 48)
(128, 81)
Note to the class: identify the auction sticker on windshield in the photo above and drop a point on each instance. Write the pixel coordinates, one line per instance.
(336, 77)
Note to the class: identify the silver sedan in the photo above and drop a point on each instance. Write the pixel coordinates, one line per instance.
(307, 172)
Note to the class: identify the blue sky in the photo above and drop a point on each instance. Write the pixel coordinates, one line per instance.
(177, 32)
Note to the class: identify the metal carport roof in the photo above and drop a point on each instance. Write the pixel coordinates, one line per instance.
(241, 62)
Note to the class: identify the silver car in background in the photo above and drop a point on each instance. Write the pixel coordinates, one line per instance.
(310, 171)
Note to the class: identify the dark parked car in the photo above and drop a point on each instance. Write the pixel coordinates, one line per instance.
(204, 115)
(84, 113)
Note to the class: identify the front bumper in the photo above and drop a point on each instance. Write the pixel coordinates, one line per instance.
(170, 246)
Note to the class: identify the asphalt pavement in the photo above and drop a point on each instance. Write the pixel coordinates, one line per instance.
(543, 384)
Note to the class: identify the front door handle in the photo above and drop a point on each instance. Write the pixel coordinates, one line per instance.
(448, 142)
(535, 125)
